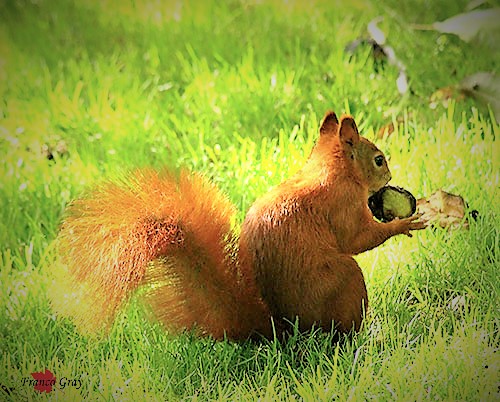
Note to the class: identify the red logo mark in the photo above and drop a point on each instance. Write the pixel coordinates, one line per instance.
(44, 381)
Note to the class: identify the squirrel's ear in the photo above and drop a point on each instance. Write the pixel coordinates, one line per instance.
(348, 132)
(329, 125)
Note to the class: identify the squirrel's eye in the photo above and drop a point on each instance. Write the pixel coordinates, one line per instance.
(379, 160)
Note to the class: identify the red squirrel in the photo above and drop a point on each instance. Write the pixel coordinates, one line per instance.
(174, 238)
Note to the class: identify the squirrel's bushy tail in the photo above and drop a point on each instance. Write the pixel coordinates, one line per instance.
(173, 237)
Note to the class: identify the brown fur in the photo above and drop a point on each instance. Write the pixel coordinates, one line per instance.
(300, 237)
(173, 236)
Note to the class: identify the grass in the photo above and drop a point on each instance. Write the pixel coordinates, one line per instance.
(236, 90)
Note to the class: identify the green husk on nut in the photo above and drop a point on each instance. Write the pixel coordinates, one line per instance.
(392, 202)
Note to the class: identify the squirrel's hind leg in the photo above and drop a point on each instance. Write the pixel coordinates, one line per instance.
(347, 303)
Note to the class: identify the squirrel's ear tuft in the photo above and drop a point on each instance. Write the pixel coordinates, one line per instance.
(348, 131)
(329, 125)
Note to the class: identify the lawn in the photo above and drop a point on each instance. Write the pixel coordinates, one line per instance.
(236, 90)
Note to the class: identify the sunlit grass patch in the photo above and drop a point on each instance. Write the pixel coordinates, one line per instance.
(236, 91)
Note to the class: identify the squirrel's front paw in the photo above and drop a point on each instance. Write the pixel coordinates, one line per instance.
(403, 226)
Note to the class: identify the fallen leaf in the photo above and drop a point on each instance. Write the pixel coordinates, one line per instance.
(469, 25)
(402, 82)
(445, 210)
(457, 303)
(48, 151)
(485, 87)
(475, 4)
(378, 53)
(381, 53)
(386, 130)
(375, 32)
(480, 25)
(444, 95)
